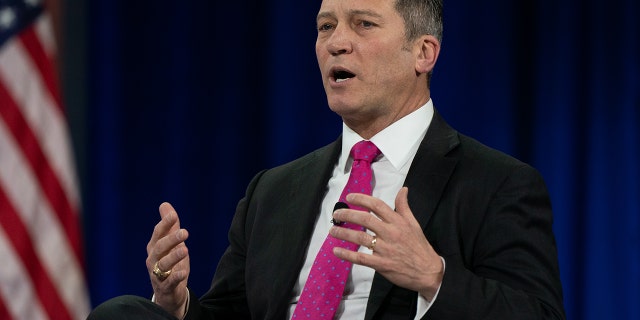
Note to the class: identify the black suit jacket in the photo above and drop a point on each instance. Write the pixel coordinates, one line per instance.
(487, 214)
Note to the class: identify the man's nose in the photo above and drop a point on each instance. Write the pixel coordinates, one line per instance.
(340, 41)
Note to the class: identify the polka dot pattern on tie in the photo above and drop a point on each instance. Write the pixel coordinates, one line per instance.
(324, 288)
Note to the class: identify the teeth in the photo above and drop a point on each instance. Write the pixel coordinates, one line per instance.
(340, 80)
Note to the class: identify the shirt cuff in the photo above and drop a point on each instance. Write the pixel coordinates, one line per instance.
(186, 308)
(424, 304)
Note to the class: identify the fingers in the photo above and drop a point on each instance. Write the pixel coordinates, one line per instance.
(357, 257)
(401, 251)
(354, 236)
(402, 201)
(170, 250)
(169, 222)
(381, 210)
(166, 209)
(171, 256)
(375, 205)
(168, 262)
(382, 213)
(167, 249)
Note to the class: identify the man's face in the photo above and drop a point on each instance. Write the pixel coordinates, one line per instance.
(368, 68)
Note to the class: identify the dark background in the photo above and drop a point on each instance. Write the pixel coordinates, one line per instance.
(184, 101)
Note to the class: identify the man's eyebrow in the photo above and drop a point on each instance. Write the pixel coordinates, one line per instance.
(325, 14)
(369, 13)
(355, 12)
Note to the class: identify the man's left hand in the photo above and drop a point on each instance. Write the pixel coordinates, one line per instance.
(401, 252)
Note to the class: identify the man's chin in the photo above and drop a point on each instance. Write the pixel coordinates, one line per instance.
(342, 108)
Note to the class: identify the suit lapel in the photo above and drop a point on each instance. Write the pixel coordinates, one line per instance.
(314, 175)
(431, 169)
(427, 177)
(308, 186)
(306, 194)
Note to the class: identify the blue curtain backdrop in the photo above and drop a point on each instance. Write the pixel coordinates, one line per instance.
(187, 100)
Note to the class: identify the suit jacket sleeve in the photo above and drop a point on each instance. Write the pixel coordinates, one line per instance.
(502, 260)
(227, 297)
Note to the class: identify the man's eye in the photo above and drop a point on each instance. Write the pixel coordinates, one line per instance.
(367, 24)
(325, 27)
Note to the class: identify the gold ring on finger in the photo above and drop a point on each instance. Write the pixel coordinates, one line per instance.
(372, 246)
(161, 275)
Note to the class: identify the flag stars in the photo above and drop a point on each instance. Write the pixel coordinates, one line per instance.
(33, 3)
(7, 18)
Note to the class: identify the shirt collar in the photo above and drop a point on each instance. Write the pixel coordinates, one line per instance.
(397, 142)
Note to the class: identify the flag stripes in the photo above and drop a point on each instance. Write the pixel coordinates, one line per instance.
(30, 42)
(22, 294)
(40, 234)
(4, 313)
(45, 117)
(15, 283)
(20, 239)
(41, 168)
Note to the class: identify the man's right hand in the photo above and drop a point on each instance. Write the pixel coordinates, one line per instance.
(167, 253)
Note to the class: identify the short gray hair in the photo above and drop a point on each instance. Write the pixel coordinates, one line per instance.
(421, 17)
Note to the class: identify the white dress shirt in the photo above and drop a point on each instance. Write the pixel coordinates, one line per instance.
(398, 143)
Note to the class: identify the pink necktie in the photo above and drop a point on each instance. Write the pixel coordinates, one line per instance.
(324, 287)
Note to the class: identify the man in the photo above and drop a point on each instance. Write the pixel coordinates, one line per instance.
(452, 229)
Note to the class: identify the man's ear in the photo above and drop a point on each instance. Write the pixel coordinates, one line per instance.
(427, 50)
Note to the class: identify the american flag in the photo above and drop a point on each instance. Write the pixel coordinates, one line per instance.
(41, 259)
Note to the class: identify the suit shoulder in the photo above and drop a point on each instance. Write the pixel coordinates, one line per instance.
(480, 155)
(315, 162)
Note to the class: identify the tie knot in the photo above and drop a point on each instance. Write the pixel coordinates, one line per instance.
(365, 150)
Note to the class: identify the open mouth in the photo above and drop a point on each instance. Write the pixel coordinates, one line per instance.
(342, 75)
